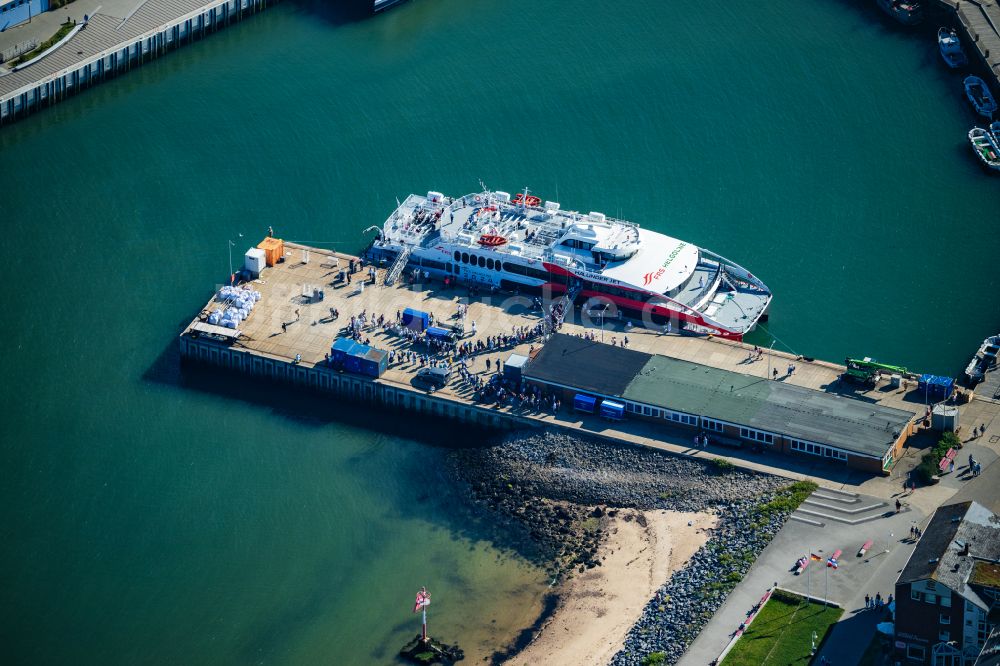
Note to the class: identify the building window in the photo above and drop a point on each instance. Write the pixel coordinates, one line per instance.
(679, 417)
(757, 435)
(915, 652)
(946, 600)
(915, 594)
(712, 424)
(944, 636)
(930, 598)
(944, 619)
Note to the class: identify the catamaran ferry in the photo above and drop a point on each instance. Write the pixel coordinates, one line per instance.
(525, 245)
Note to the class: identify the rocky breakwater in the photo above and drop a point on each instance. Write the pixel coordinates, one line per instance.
(558, 489)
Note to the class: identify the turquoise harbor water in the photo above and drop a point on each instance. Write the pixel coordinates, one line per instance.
(150, 517)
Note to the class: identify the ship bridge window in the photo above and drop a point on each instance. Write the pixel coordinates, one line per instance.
(465, 257)
(578, 244)
(458, 256)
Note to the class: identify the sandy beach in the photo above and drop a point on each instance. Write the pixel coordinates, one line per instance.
(600, 605)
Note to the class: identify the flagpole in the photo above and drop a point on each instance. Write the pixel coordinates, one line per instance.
(808, 576)
(424, 631)
(826, 585)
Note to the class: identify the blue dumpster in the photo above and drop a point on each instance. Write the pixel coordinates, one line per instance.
(612, 411)
(584, 403)
(442, 334)
(417, 320)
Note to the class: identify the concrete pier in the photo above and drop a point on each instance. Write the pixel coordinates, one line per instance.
(289, 333)
(107, 45)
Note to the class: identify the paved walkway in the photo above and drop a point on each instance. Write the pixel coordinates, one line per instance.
(846, 585)
(45, 25)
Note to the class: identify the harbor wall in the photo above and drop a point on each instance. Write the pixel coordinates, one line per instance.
(356, 388)
(47, 87)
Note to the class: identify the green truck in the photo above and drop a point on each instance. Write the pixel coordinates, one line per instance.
(866, 370)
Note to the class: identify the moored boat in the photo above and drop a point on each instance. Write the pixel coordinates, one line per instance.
(907, 12)
(980, 96)
(382, 5)
(525, 245)
(984, 360)
(987, 146)
(951, 48)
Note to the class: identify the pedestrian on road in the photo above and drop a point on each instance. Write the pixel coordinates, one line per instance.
(868, 602)
(878, 599)
(899, 505)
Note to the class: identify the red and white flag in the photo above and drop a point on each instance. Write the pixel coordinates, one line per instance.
(423, 599)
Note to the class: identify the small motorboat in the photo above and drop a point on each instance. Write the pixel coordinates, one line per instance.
(987, 147)
(907, 12)
(951, 48)
(984, 360)
(980, 96)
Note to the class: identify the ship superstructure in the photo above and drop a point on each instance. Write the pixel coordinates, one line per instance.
(525, 245)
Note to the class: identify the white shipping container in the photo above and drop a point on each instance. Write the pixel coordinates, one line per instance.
(254, 261)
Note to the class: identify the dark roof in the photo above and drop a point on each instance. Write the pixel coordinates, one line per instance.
(586, 365)
(669, 383)
(776, 407)
(938, 555)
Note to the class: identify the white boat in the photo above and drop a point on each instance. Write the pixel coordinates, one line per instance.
(951, 48)
(382, 5)
(987, 147)
(525, 245)
(907, 12)
(984, 360)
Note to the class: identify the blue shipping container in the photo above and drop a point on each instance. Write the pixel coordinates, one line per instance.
(341, 348)
(374, 363)
(418, 320)
(353, 364)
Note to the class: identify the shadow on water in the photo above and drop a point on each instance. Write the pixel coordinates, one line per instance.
(461, 516)
(308, 407)
(336, 12)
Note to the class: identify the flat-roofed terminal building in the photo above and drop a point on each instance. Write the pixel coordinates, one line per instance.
(732, 408)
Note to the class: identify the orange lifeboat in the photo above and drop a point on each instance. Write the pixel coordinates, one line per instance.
(532, 200)
(492, 240)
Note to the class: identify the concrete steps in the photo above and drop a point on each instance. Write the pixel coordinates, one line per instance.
(826, 505)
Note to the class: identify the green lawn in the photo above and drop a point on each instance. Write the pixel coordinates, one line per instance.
(781, 634)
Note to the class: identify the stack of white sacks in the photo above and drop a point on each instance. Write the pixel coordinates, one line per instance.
(237, 302)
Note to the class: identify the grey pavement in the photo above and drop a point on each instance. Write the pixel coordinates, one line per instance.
(875, 572)
(45, 25)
